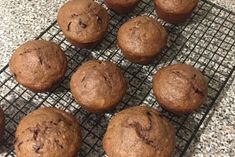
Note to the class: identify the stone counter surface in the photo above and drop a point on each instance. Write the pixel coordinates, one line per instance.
(22, 20)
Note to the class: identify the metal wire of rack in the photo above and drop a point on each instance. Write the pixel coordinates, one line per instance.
(205, 41)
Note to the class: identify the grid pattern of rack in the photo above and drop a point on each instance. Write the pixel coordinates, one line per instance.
(206, 41)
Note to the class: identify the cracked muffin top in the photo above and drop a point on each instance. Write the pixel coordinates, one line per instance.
(139, 132)
(48, 132)
(83, 22)
(2, 123)
(180, 88)
(98, 85)
(38, 65)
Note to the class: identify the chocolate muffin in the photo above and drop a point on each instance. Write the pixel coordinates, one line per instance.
(139, 132)
(180, 88)
(2, 123)
(175, 11)
(121, 6)
(48, 132)
(98, 85)
(83, 22)
(38, 65)
(141, 39)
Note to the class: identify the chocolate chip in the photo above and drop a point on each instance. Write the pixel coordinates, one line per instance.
(54, 123)
(83, 79)
(198, 91)
(83, 25)
(15, 140)
(37, 146)
(14, 75)
(149, 114)
(18, 145)
(89, 5)
(99, 20)
(35, 134)
(178, 73)
(161, 116)
(58, 143)
(40, 59)
(194, 76)
(105, 78)
(27, 51)
(68, 27)
(74, 15)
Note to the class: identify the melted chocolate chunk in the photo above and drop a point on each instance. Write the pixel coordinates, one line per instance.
(143, 132)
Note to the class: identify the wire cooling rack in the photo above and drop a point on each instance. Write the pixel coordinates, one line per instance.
(205, 41)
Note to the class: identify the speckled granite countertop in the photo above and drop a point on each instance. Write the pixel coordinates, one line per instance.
(22, 20)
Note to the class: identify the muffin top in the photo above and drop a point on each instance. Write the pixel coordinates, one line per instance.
(48, 132)
(177, 6)
(98, 85)
(83, 20)
(2, 123)
(137, 132)
(180, 88)
(38, 65)
(142, 36)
